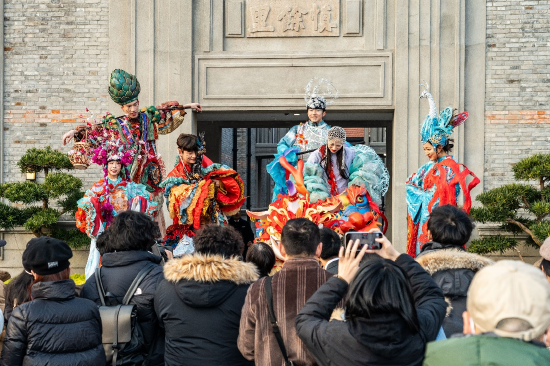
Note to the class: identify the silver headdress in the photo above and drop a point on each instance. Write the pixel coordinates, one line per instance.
(337, 133)
(320, 93)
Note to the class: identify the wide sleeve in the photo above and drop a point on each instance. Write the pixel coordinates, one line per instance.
(313, 320)
(15, 343)
(168, 121)
(367, 170)
(88, 214)
(315, 181)
(247, 327)
(145, 202)
(416, 196)
(278, 173)
(288, 140)
(428, 298)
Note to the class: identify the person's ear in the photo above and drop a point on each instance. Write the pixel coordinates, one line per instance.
(34, 274)
(324, 113)
(282, 250)
(319, 250)
(467, 323)
(430, 238)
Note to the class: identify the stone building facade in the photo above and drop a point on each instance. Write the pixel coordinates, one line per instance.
(247, 62)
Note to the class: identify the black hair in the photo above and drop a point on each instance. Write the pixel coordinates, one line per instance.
(326, 162)
(263, 257)
(450, 225)
(17, 290)
(545, 266)
(331, 243)
(381, 287)
(300, 237)
(102, 241)
(187, 142)
(448, 147)
(221, 240)
(129, 230)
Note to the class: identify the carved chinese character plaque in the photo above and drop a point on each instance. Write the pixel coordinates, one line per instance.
(292, 18)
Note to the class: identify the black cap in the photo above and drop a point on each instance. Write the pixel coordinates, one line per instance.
(2, 243)
(46, 256)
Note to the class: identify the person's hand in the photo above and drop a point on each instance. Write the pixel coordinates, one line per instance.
(196, 106)
(169, 255)
(387, 251)
(68, 137)
(348, 264)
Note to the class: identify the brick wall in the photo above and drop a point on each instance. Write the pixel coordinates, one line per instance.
(517, 86)
(55, 55)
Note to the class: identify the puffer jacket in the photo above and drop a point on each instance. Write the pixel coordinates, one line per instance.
(199, 304)
(56, 328)
(452, 269)
(117, 273)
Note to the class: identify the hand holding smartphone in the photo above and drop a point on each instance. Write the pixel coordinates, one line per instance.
(368, 239)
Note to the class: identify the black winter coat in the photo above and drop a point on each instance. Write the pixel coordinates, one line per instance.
(199, 304)
(383, 340)
(117, 273)
(453, 269)
(56, 328)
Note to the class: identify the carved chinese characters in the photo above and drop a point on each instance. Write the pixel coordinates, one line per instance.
(292, 18)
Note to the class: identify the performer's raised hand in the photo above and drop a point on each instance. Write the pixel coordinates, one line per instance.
(196, 106)
(68, 137)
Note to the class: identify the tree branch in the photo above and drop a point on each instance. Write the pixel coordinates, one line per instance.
(519, 253)
(526, 229)
(527, 205)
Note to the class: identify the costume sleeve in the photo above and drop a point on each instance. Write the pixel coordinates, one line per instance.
(314, 158)
(15, 343)
(368, 171)
(288, 140)
(206, 162)
(88, 214)
(168, 121)
(146, 203)
(315, 181)
(278, 173)
(417, 197)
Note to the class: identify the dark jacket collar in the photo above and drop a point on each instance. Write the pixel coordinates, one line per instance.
(307, 262)
(55, 290)
(433, 245)
(119, 259)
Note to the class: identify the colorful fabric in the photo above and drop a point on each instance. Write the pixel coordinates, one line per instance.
(124, 88)
(120, 194)
(434, 184)
(199, 201)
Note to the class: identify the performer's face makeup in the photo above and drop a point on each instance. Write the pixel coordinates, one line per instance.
(431, 153)
(316, 115)
(188, 157)
(334, 146)
(113, 169)
(131, 109)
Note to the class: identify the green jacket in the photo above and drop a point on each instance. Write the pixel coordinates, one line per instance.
(485, 350)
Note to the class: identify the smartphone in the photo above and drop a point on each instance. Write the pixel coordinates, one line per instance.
(367, 239)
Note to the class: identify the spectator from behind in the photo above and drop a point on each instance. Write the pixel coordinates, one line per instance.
(331, 247)
(125, 248)
(55, 328)
(262, 256)
(545, 260)
(506, 321)
(393, 307)
(451, 267)
(199, 303)
(243, 227)
(291, 287)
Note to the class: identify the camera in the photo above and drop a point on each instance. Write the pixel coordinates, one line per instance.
(367, 239)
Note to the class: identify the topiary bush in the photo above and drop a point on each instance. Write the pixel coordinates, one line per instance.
(36, 215)
(517, 207)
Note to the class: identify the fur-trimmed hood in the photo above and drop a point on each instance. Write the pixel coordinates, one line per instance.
(206, 281)
(210, 268)
(445, 259)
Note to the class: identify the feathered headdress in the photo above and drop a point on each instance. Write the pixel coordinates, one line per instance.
(437, 129)
(320, 93)
(124, 87)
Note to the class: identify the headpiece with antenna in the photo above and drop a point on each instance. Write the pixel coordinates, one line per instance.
(320, 93)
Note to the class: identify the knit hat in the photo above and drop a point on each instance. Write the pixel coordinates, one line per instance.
(510, 290)
(124, 88)
(46, 256)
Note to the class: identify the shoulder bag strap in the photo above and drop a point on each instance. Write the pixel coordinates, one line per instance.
(99, 285)
(133, 287)
(274, 325)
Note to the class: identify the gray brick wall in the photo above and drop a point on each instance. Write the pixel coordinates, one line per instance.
(517, 86)
(55, 55)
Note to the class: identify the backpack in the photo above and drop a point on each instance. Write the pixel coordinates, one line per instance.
(122, 338)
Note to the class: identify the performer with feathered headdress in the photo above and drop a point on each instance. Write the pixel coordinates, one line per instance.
(198, 192)
(111, 195)
(440, 180)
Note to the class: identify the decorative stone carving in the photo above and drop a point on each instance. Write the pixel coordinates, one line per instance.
(292, 18)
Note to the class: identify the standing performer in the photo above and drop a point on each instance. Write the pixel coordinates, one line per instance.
(198, 192)
(439, 181)
(139, 129)
(306, 136)
(111, 195)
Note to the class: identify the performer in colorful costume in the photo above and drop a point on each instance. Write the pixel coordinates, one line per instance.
(198, 192)
(439, 181)
(305, 137)
(111, 195)
(139, 129)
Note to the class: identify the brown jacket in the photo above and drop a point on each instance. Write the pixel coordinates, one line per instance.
(292, 287)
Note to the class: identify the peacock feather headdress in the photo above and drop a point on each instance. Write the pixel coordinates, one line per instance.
(437, 129)
(123, 87)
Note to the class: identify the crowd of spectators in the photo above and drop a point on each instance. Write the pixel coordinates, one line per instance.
(329, 304)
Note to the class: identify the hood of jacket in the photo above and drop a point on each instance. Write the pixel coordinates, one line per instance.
(445, 259)
(125, 258)
(208, 280)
